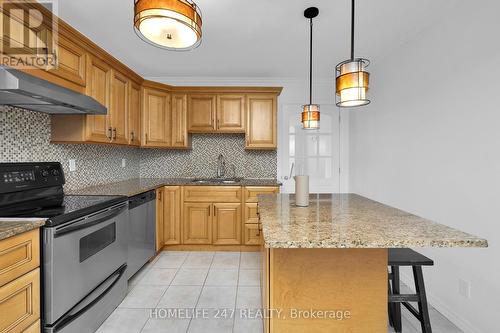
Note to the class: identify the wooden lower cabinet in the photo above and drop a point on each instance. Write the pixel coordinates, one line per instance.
(197, 226)
(172, 207)
(227, 224)
(20, 302)
(34, 328)
(251, 234)
(159, 219)
(19, 255)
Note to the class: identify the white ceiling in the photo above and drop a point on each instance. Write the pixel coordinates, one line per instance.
(258, 38)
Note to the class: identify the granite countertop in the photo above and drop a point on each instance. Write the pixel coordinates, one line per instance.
(140, 185)
(13, 226)
(351, 221)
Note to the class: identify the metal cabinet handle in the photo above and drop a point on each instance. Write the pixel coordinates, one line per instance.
(215, 211)
(209, 210)
(132, 136)
(146, 137)
(109, 134)
(114, 133)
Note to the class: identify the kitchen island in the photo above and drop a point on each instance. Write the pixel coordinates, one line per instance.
(325, 265)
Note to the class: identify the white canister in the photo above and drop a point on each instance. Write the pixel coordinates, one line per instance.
(301, 191)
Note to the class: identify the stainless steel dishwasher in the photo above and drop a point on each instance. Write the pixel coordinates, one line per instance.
(142, 231)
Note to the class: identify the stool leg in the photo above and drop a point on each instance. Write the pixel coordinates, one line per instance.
(423, 308)
(396, 306)
(390, 307)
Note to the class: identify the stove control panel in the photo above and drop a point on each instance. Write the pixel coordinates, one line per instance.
(23, 176)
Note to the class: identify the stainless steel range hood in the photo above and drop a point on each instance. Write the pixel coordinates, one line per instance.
(28, 92)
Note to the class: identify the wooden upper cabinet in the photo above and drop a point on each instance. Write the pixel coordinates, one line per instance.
(71, 61)
(118, 110)
(201, 113)
(261, 121)
(231, 113)
(98, 87)
(134, 114)
(179, 121)
(157, 118)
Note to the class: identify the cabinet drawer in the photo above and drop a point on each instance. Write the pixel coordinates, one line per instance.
(251, 192)
(212, 193)
(20, 302)
(19, 255)
(251, 212)
(251, 234)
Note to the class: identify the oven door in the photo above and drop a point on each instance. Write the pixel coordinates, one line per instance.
(79, 256)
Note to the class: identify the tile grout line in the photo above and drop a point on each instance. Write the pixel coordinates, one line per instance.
(237, 288)
(202, 287)
(159, 300)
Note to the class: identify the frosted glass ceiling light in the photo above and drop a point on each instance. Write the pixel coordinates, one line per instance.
(310, 112)
(168, 24)
(352, 78)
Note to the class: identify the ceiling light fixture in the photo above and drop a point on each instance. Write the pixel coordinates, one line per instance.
(310, 112)
(352, 78)
(168, 24)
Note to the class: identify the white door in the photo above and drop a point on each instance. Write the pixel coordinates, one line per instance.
(311, 152)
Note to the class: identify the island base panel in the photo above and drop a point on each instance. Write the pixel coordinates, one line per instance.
(341, 282)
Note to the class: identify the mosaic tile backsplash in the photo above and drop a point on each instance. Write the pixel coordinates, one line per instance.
(25, 137)
(201, 160)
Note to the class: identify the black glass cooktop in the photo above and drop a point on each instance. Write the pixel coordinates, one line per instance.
(67, 208)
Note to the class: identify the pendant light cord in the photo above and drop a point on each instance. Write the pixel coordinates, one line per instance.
(352, 30)
(310, 61)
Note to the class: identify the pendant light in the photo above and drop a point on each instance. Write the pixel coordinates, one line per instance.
(168, 24)
(310, 112)
(352, 77)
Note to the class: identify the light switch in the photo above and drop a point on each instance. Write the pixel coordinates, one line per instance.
(124, 163)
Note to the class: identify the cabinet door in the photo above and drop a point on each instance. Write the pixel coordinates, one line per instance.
(134, 115)
(261, 122)
(201, 113)
(71, 61)
(172, 215)
(179, 121)
(20, 302)
(231, 113)
(119, 107)
(227, 224)
(98, 128)
(159, 219)
(157, 118)
(197, 226)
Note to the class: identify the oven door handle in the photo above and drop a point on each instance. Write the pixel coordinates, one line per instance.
(92, 298)
(92, 220)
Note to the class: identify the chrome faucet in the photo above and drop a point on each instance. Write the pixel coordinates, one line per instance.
(221, 166)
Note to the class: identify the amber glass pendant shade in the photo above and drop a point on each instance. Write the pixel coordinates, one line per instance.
(310, 116)
(352, 83)
(168, 24)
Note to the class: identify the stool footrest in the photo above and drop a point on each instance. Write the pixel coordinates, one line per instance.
(413, 311)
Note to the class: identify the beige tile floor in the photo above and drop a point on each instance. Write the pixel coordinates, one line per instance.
(194, 282)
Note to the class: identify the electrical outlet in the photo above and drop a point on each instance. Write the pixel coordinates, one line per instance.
(464, 288)
(124, 163)
(72, 165)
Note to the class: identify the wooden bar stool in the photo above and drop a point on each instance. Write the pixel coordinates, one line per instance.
(408, 257)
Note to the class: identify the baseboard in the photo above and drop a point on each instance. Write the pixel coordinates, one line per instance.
(238, 248)
(444, 309)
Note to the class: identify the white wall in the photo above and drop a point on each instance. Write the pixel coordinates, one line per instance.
(430, 144)
(295, 91)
